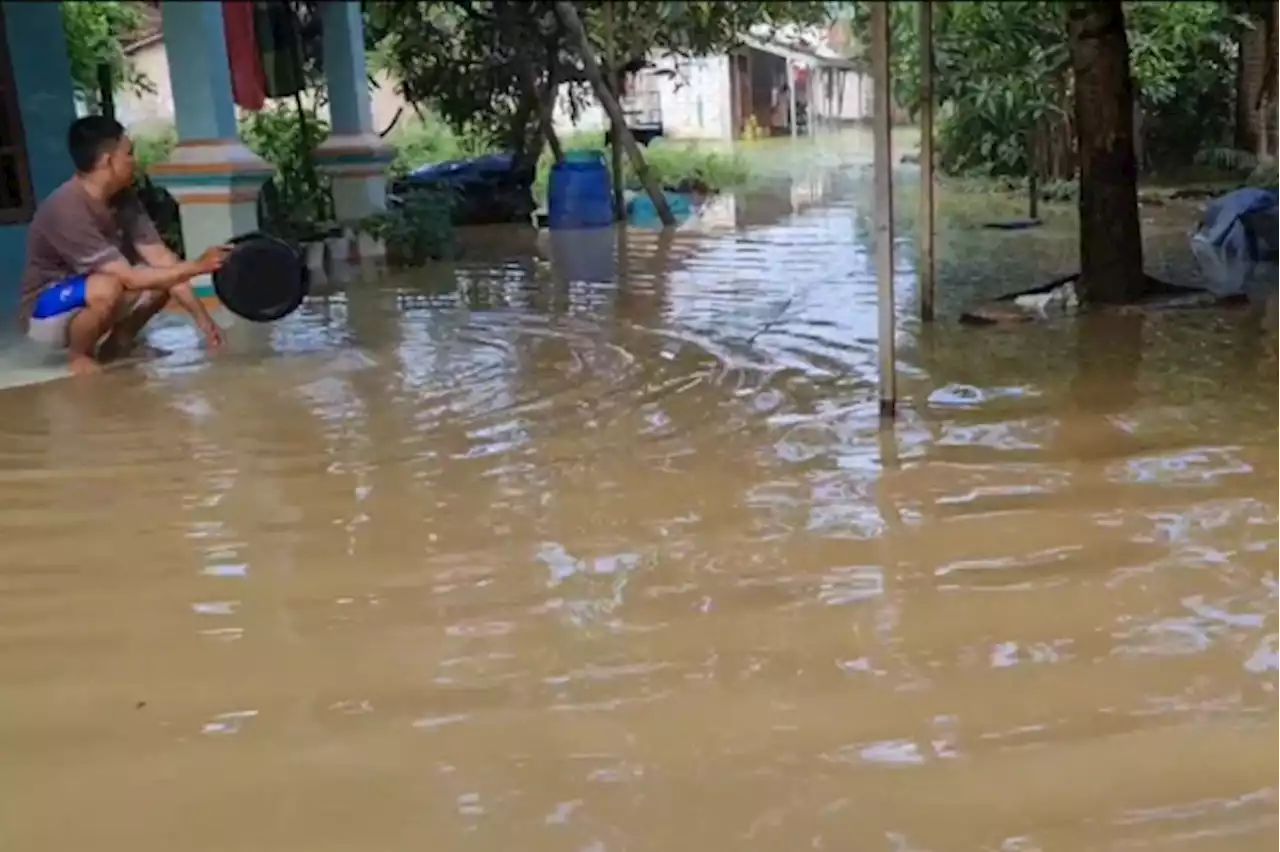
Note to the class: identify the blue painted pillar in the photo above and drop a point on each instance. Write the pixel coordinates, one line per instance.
(354, 157)
(211, 174)
(195, 44)
(345, 68)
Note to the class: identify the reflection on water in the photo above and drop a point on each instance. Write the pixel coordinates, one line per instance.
(516, 556)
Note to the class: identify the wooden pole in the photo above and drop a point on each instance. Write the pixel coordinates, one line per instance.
(791, 98)
(1275, 40)
(882, 125)
(926, 226)
(568, 16)
(106, 91)
(810, 102)
(615, 138)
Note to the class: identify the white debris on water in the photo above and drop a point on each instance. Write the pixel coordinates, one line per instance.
(1061, 300)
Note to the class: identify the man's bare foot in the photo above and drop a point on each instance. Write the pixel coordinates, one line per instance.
(83, 365)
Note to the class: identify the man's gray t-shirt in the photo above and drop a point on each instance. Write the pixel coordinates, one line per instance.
(74, 233)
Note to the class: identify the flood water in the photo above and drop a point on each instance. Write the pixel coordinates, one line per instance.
(493, 557)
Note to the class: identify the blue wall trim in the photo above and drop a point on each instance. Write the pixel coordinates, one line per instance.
(42, 76)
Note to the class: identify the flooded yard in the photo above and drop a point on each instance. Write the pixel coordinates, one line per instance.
(595, 544)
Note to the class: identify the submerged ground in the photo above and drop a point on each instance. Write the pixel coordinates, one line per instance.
(491, 557)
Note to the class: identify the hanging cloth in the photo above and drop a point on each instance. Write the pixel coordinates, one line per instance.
(248, 82)
(280, 43)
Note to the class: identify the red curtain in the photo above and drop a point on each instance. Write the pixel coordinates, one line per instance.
(248, 79)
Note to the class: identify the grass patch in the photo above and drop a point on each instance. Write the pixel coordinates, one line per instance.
(672, 162)
(420, 142)
(423, 142)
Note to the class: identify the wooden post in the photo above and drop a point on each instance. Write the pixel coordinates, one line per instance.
(543, 105)
(833, 110)
(882, 125)
(810, 103)
(106, 91)
(1275, 40)
(791, 98)
(925, 227)
(614, 75)
(568, 16)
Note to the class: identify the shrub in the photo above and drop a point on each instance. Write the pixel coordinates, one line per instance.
(417, 229)
(152, 148)
(427, 140)
(298, 201)
(676, 164)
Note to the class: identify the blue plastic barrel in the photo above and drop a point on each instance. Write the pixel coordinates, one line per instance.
(579, 194)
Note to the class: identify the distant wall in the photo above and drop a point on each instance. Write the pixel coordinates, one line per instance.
(694, 94)
(145, 112)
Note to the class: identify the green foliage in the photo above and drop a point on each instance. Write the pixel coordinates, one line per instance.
(689, 29)
(152, 148)
(430, 140)
(1183, 57)
(94, 33)
(298, 200)
(473, 64)
(674, 164)
(1003, 73)
(417, 230)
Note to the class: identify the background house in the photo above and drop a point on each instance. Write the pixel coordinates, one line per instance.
(709, 98)
(721, 97)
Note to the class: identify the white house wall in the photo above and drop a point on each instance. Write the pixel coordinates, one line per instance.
(857, 100)
(695, 97)
(153, 111)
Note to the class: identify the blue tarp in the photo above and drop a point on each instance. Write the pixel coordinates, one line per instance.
(642, 214)
(1236, 243)
(488, 190)
(463, 171)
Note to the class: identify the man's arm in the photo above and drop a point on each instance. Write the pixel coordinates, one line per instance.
(169, 279)
(85, 247)
(158, 256)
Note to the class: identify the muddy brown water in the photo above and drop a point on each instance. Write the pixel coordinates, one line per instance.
(493, 558)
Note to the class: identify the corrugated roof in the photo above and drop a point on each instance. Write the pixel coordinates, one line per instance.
(807, 44)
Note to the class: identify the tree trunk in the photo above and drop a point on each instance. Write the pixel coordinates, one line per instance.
(547, 103)
(569, 18)
(1251, 64)
(106, 91)
(549, 127)
(1110, 233)
(541, 105)
(614, 76)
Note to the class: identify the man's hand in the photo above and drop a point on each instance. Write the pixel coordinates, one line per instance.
(211, 332)
(210, 260)
(156, 254)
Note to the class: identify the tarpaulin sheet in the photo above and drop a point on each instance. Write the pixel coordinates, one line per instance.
(1236, 242)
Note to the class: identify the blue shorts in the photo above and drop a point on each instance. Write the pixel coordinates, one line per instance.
(56, 305)
(61, 298)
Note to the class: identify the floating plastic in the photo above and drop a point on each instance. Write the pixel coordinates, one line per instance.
(1236, 236)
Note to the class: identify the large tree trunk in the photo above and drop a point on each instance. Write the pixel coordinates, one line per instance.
(1251, 67)
(573, 25)
(1110, 234)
